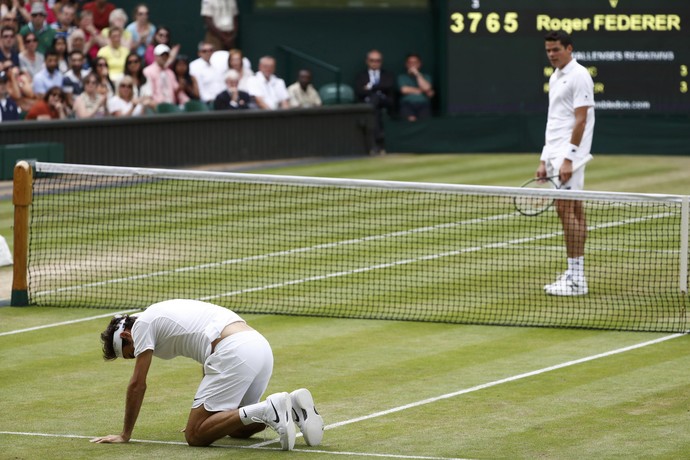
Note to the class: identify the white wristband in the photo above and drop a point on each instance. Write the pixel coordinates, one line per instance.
(571, 154)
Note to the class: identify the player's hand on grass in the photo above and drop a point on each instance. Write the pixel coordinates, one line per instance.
(110, 439)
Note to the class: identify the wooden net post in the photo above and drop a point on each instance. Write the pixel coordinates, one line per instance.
(21, 198)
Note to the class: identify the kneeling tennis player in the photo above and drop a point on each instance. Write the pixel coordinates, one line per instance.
(238, 363)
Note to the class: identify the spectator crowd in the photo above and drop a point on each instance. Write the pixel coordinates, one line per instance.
(87, 59)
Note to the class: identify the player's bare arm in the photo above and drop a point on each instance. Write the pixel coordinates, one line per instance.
(135, 397)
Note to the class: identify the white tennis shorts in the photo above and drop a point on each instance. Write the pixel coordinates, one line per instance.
(576, 182)
(236, 373)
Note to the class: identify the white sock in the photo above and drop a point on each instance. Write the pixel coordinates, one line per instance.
(576, 266)
(580, 267)
(572, 266)
(253, 411)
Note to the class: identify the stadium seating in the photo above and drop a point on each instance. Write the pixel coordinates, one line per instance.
(166, 107)
(329, 96)
(196, 106)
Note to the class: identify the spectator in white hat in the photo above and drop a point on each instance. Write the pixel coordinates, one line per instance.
(162, 80)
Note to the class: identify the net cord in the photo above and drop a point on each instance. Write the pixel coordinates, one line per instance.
(64, 168)
(684, 223)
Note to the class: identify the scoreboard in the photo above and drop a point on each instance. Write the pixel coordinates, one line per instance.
(637, 52)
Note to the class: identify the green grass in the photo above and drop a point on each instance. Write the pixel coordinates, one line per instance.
(620, 173)
(631, 405)
(362, 253)
(627, 405)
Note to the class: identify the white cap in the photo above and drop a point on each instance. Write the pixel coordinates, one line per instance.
(161, 49)
(38, 8)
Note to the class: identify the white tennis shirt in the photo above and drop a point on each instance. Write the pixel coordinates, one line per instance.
(569, 88)
(223, 13)
(180, 327)
(272, 91)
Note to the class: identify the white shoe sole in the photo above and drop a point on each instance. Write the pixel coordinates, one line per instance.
(566, 294)
(558, 291)
(308, 420)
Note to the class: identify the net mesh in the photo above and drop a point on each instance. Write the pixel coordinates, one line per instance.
(355, 249)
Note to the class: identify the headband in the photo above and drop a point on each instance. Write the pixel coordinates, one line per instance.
(117, 340)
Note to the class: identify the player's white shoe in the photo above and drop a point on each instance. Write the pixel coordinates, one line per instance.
(278, 415)
(567, 285)
(306, 417)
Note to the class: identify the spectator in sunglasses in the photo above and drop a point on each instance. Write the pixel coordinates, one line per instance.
(31, 60)
(125, 104)
(9, 56)
(39, 27)
(51, 107)
(92, 102)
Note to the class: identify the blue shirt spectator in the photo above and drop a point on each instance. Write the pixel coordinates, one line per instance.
(49, 77)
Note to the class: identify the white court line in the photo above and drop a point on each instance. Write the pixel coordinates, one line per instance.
(64, 323)
(354, 241)
(399, 408)
(427, 257)
(180, 443)
(279, 253)
(491, 384)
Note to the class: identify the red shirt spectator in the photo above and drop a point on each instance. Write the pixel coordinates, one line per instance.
(52, 106)
(101, 10)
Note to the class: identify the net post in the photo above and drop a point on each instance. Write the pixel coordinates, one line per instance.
(21, 198)
(684, 223)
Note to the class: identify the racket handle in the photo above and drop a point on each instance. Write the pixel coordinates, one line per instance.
(582, 161)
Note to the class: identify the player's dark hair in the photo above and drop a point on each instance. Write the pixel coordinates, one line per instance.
(559, 36)
(107, 336)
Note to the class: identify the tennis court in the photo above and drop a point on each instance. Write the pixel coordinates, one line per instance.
(392, 389)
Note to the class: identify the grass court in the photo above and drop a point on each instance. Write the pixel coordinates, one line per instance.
(386, 389)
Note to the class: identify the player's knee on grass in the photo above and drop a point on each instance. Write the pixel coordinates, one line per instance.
(247, 431)
(194, 439)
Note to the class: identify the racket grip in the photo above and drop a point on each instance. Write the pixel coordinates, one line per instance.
(582, 161)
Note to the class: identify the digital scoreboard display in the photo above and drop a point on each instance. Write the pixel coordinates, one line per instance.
(637, 52)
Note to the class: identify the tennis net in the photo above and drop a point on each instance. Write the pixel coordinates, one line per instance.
(113, 237)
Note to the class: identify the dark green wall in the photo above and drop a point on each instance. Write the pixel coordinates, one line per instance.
(182, 17)
(338, 36)
(343, 36)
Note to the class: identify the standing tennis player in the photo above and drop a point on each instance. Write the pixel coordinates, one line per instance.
(237, 360)
(569, 132)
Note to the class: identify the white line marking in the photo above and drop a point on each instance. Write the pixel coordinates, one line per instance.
(355, 241)
(428, 257)
(279, 253)
(64, 323)
(507, 380)
(262, 445)
(180, 443)
(492, 384)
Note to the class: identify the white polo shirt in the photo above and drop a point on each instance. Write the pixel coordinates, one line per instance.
(180, 327)
(209, 79)
(569, 88)
(271, 91)
(223, 13)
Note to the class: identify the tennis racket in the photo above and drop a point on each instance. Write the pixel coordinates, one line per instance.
(535, 205)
